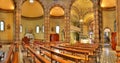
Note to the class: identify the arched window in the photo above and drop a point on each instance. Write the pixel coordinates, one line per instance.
(21, 28)
(115, 24)
(1, 26)
(57, 29)
(37, 29)
(43, 28)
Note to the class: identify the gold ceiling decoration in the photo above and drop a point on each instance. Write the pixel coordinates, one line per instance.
(83, 4)
(88, 17)
(80, 9)
(6, 4)
(34, 9)
(108, 3)
(57, 11)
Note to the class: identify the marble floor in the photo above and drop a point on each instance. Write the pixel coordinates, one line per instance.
(108, 55)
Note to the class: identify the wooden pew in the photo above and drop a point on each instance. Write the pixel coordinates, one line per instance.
(39, 57)
(16, 54)
(91, 50)
(86, 45)
(71, 50)
(15, 57)
(54, 57)
(10, 54)
(118, 56)
(74, 51)
(66, 56)
(93, 54)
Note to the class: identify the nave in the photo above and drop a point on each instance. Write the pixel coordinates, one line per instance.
(41, 52)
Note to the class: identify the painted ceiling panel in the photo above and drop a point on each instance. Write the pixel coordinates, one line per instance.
(32, 9)
(108, 3)
(6, 4)
(57, 11)
(80, 10)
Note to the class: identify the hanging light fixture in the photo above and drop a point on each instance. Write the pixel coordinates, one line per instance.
(31, 1)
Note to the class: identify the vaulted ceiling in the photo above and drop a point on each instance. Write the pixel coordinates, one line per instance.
(32, 9)
(108, 3)
(57, 11)
(6, 5)
(84, 7)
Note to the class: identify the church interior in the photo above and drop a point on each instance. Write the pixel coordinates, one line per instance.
(59, 31)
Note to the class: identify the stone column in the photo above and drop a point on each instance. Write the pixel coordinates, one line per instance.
(118, 23)
(67, 25)
(46, 26)
(96, 17)
(17, 19)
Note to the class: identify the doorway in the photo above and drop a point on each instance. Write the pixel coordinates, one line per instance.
(107, 35)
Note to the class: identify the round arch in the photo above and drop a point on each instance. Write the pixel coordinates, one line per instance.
(107, 34)
(54, 4)
(35, 6)
(107, 29)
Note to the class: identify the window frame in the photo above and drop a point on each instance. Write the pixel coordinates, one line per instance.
(21, 30)
(1, 21)
(43, 28)
(37, 29)
(57, 29)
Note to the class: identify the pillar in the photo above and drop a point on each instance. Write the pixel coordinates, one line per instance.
(46, 26)
(118, 23)
(67, 25)
(96, 18)
(17, 19)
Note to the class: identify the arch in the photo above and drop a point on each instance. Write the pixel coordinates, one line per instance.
(107, 29)
(107, 34)
(42, 2)
(81, 10)
(21, 28)
(57, 11)
(73, 1)
(7, 5)
(2, 25)
(36, 8)
(54, 4)
(89, 17)
(37, 29)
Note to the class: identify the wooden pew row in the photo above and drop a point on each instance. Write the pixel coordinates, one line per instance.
(54, 57)
(39, 57)
(12, 55)
(92, 51)
(85, 52)
(15, 57)
(84, 45)
(66, 56)
(93, 48)
(16, 54)
(80, 48)
(118, 56)
(74, 51)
